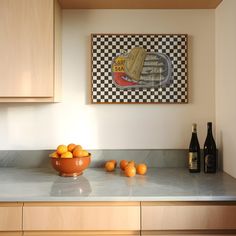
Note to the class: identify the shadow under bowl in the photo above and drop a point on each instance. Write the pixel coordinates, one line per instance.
(71, 167)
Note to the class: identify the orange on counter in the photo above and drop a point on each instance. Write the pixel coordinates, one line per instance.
(130, 171)
(115, 162)
(61, 149)
(109, 166)
(67, 155)
(141, 169)
(132, 163)
(123, 164)
(129, 167)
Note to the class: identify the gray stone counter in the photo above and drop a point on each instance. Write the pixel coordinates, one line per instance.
(160, 184)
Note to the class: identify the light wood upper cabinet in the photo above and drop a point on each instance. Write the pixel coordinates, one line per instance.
(140, 4)
(10, 217)
(30, 50)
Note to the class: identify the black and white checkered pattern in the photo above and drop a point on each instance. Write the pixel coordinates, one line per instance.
(105, 47)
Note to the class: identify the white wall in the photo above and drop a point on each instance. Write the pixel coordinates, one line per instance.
(34, 126)
(226, 83)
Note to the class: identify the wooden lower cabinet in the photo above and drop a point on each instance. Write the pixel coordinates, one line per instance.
(86, 233)
(118, 218)
(11, 233)
(188, 218)
(186, 234)
(83, 218)
(11, 219)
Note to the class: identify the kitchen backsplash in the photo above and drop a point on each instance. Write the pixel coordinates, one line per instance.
(152, 157)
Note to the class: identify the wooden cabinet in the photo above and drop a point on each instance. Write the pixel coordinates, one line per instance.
(187, 234)
(80, 233)
(140, 4)
(90, 216)
(10, 218)
(11, 233)
(30, 50)
(118, 218)
(201, 218)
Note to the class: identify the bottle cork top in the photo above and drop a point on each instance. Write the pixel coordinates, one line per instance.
(194, 128)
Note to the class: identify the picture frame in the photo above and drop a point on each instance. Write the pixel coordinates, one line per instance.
(139, 68)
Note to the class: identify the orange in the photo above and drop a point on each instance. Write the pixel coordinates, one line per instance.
(67, 155)
(132, 163)
(77, 152)
(85, 153)
(78, 147)
(115, 162)
(54, 155)
(109, 166)
(141, 169)
(123, 164)
(80, 153)
(61, 149)
(130, 171)
(71, 147)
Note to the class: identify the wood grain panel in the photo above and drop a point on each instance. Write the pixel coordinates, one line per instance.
(26, 48)
(57, 52)
(79, 233)
(190, 233)
(11, 233)
(25, 100)
(81, 218)
(190, 217)
(139, 4)
(10, 217)
(84, 203)
(187, 234)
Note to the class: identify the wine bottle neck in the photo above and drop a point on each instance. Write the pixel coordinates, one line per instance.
(209, 129)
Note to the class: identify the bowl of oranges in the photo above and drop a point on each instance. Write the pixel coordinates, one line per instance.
(70, 160)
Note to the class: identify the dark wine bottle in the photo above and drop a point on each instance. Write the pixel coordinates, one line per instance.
(210, 152)
(194, 155)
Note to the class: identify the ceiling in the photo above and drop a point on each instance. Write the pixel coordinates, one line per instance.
(139, 4)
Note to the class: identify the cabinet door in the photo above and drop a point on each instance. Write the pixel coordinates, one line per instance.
(81, 216)
(26, 48)
(79, 233)
(11, 234)
(188, 216)
(186, 234)
(10, 217)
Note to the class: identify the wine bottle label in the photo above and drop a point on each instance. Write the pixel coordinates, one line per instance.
(192, 160)
(209, 162)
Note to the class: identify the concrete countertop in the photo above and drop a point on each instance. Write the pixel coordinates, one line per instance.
(160, 184)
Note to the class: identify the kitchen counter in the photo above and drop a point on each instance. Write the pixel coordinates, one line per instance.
(160, 184)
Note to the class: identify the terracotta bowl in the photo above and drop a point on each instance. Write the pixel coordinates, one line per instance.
(69, 167)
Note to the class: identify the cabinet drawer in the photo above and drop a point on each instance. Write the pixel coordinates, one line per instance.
(187, 234)
(10, 217)
(81, 216)
(82, 233)
(188, 217)
(11, 234)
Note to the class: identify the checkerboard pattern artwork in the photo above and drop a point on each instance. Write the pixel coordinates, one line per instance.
(105, 47)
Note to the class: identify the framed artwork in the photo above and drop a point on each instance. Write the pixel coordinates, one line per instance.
(139, 68)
